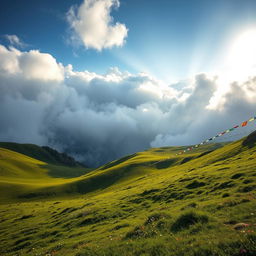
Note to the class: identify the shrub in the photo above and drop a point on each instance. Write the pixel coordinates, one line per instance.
(188, 219)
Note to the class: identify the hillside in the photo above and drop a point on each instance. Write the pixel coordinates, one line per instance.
(149, 203)
(45, 154)
(21, 174)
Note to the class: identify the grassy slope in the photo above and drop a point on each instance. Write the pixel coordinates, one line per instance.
(20, 175)
(182, 205)
(49, 156)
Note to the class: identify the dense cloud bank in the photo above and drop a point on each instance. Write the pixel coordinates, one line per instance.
(98, 118)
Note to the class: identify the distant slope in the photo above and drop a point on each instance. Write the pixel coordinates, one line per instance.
(45, 154)
(21, 174)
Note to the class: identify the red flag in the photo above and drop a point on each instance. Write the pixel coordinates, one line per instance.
(244, 123)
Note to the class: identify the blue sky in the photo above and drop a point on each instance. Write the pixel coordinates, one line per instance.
(169, 39)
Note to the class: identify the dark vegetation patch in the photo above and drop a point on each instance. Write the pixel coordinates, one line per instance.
(38, 194)
(120, 226)
(48, 234)
(205, 153)
(185, 179)
(147, 192)
(21, 240)
(92, 220)
(24, 217)
(247, 181)
(225, 195)
(77, 234)
(188, 219)
(166, 195)
(195, 184)
(246, 189)
(250, 140)
(67, 210)
(165, 163)
(224, 168)
(28, 231)
(100, 218)
(21, 246)
(223, 185)
(237, 176)
(186, 159)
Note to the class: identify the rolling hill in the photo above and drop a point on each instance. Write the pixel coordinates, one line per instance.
(150, 203)
(45, 154)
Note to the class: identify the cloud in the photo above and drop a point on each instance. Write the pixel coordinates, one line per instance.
(99, 118)
(14, 41)
(94, 27)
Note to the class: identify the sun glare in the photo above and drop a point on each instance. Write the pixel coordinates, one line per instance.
(238, 63)
(241, 60)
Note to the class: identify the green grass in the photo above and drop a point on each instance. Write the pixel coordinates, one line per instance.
(149, 203)
(45, 154)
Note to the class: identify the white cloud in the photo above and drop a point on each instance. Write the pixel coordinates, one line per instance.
(98, 118)
(41, 66)
(9, 60)
(14, 40)
(92, 24)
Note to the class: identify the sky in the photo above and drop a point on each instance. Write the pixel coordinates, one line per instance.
(100, 79)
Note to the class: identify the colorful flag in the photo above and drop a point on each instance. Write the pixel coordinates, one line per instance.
(220, 134)
(244, 123)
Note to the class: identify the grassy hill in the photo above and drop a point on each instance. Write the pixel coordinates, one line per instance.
(149, 203)
(45, 154)
(21, 174)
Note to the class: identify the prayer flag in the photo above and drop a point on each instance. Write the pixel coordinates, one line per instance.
(244, 123)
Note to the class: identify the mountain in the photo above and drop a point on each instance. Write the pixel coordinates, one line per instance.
(155, 202)
(45, 153)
